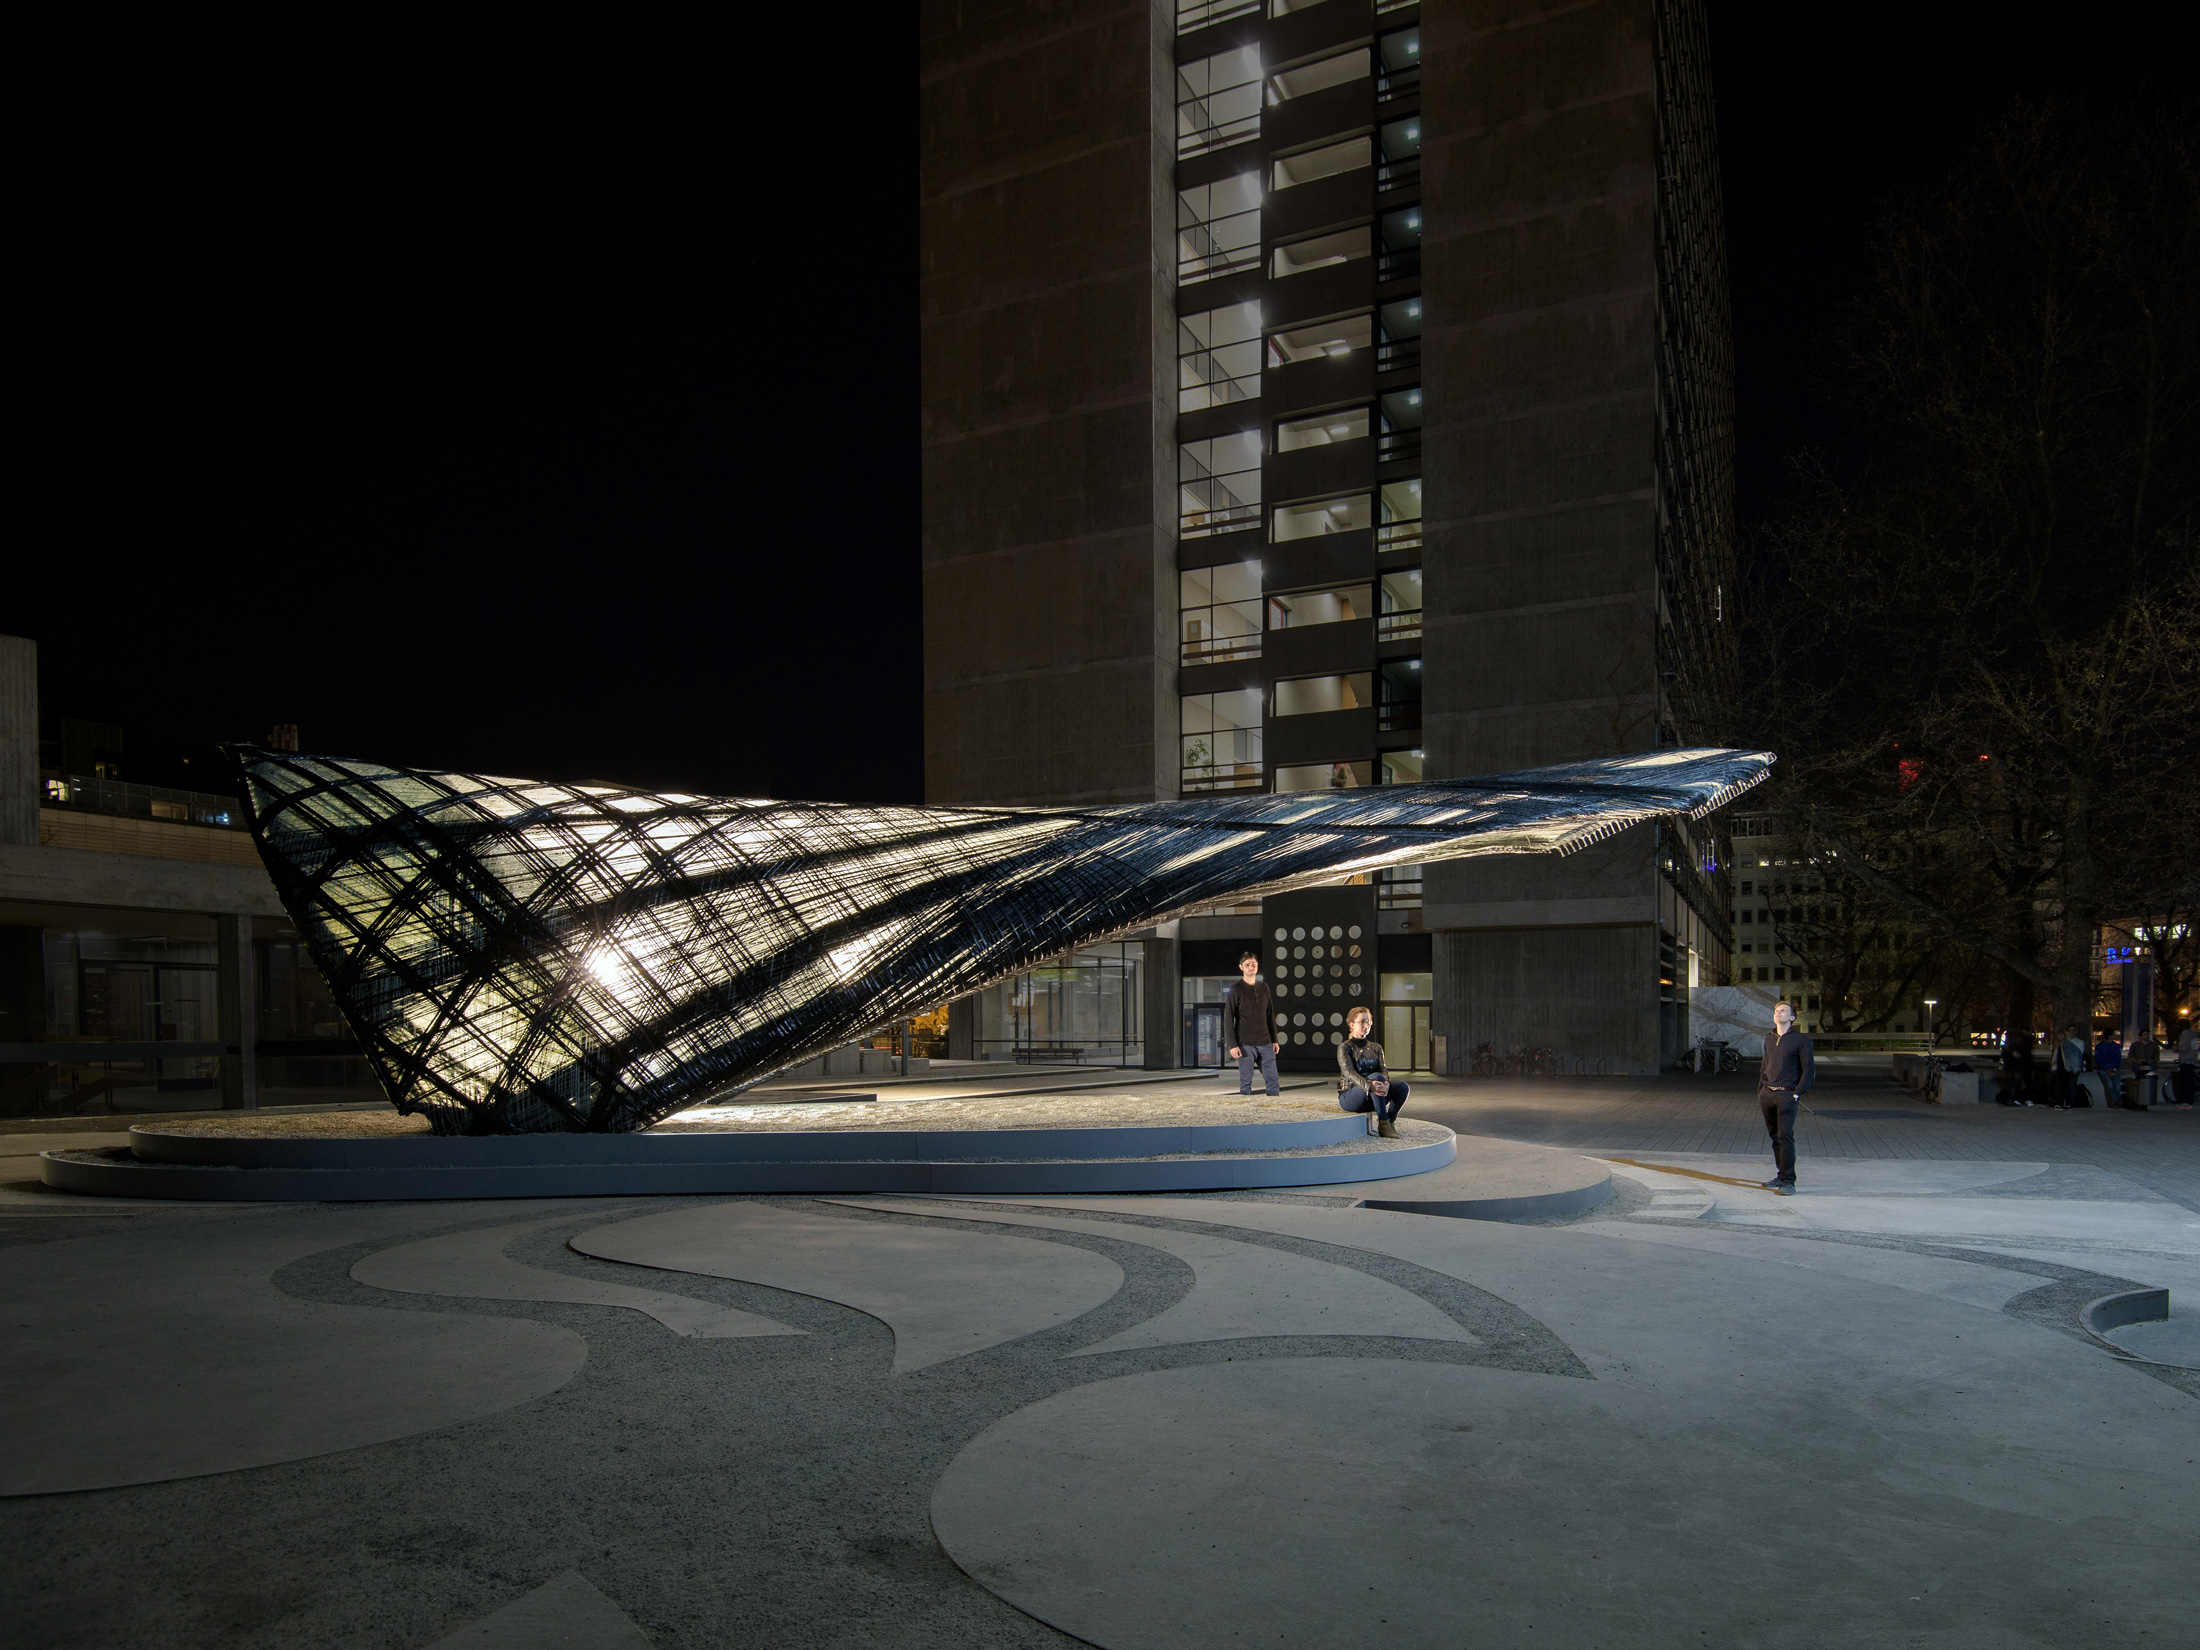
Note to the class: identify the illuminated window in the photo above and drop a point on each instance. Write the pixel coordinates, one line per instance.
(1400, 532)
(1218, 101)
(1218, 484)
(1323, 776)
(1327, 161)
(1218, 357)
(1319, 252)
(1317, 516)
(1219, 734)
(1319, 76)
(1346, 424)
(1337, 605)
(1220, 612)
(1318, 695)
(1218, 229)
(1339, 336)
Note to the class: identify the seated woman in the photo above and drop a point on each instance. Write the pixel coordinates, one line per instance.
(1364, 1082)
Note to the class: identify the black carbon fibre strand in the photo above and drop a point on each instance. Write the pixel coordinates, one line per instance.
(519, 957)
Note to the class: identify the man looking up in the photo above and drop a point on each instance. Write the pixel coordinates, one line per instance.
(1249, 1026)
(1783, 1079)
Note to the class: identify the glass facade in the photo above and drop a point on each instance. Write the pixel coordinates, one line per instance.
(1082, 1009)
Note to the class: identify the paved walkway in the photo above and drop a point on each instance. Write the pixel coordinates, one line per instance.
(1854, 1115)
(1143, 1423)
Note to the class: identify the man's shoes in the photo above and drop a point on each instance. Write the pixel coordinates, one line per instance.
(1783, 1188)
(1387, 1129)
(1772, 1184)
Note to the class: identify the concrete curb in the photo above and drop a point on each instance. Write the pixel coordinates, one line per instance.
(1526, 1206)
(2115, 1311)
(731, 1147)
(117, 1173)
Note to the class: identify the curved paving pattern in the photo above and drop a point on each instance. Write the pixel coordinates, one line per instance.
(473, 1266)
(944, 1292)
(133, 1359)
(1459, 1504)
(1241, 1291)
(1834, 1419)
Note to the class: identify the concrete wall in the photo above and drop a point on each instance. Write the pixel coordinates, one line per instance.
(1161, 1006)
(1046, 249)
(133, 882)
(1540, 572)
(1550, 988)
(150, 838)
(18, 740)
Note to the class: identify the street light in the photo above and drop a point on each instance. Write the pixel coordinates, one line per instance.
(1931, 1035)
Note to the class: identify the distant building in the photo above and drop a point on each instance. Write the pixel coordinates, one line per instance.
(1317, 395)
(145, 961)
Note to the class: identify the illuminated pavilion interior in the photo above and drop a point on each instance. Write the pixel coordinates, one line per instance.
(520, 957)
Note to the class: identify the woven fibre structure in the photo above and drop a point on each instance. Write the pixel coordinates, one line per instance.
(518, 957)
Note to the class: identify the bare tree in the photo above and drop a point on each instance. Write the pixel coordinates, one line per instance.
(1977, 628)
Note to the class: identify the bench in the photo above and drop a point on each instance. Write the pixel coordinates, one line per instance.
(1048, 1054)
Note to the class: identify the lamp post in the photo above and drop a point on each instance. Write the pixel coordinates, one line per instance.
(1931, 1035)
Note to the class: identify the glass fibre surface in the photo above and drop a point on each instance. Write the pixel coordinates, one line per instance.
(522, 957)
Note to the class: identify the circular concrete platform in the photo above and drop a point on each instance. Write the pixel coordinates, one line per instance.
(1494, 1180)
(1029, 1145)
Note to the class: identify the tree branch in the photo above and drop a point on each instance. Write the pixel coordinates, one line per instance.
(1855, 865)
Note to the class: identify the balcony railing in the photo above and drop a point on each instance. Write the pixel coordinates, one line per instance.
(1199, 524)
(1219, 115)
(1210, 266)
(1397, 446)
(1397, 715)
(1394, 84)
(1397, 354)
(1220, 650)
(1235, 776)
(1212, 384)
(112, 796)
(1401, 626)
(1399, 890)
(1397, 536)
(1194, 15)
(1222, 247)
(1398, 174)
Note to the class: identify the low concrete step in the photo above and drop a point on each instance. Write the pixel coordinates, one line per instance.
(480, 1171)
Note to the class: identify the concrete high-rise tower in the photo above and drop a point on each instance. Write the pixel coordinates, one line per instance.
(1321, 394)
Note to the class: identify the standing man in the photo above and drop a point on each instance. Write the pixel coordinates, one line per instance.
(2187, 1076)
(2108, 1060)
(1249, 1026)
(2069, 1061)
(2016, 1068)
(1789, 1069)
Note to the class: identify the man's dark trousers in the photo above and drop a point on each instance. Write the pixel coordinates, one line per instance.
(1260, 1057)
(1779, 1106)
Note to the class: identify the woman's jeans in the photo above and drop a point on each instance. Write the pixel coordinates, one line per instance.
(1385, 1107)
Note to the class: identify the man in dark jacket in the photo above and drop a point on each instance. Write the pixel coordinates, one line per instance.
(1249, 1026)
(1788, 1071)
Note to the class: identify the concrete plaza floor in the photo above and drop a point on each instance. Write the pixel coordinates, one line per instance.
(1694, 1414)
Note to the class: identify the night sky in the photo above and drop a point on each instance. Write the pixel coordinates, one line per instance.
(542, 400)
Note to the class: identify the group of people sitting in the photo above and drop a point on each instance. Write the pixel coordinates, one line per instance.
(2069, 1057)
(1364, 1083)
